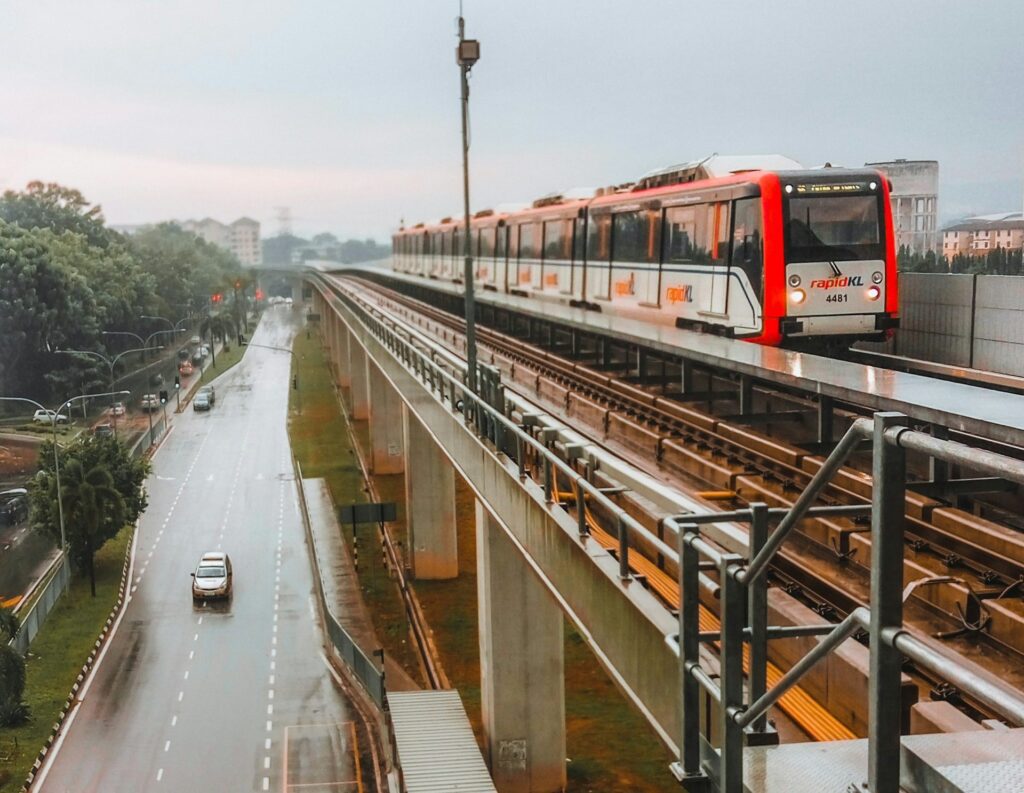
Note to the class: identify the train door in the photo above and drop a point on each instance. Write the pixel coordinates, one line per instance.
(599, 265)
(717, 237)
(579, 244)
(501, 258)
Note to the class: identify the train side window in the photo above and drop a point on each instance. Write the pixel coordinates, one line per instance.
(718, 233)
(442, 243)
(513, 242)
(529, 241)
(747, 241)
(500, 242)
(486, 240)
(426, 243)
(598, 238)
(557, 239)
(680, 233)
(629, 237)
(579, 239)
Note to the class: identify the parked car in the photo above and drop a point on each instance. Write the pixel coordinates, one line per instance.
(13, 506)
(105, 430)
(48, 417)
(288, 301)
(195, 340)
(201, 401)
(210, 392)
(197, 358)
(183, 354)
(204, 350)
(150, 402)
(212, 578)
(185, 368)
(117, 409)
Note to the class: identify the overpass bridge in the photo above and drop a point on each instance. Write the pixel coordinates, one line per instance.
(542, 488)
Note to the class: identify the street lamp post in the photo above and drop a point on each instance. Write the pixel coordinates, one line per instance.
(111, 362)
(56, 456)
(467, 54)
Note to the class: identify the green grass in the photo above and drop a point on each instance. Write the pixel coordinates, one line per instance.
(610, 746)
(225, 360)
(56, 657)
(320, 442)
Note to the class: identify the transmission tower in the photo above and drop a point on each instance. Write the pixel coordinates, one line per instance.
(284, 221)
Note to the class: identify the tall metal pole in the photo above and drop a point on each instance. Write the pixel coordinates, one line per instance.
(465, 64)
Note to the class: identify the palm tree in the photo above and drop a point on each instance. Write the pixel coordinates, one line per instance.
(220, 324)
(12, 673)
(93, 508)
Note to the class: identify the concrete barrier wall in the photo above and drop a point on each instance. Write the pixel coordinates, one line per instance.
(936, 311)
(963, 320)
(999, 324)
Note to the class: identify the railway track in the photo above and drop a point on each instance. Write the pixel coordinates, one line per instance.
(985, 560)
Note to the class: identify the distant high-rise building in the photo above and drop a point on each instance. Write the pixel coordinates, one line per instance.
(242, 237)
(915, 202)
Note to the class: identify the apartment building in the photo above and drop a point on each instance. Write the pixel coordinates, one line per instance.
(915, 202)
(242, 237)
(978, 235)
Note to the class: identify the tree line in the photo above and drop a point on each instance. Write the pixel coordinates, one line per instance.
(282, 249)
(998, 261)
(66, 276)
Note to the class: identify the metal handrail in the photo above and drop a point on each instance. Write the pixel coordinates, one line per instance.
(453, 389)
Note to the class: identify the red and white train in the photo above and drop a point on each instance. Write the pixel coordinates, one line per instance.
(733, 245)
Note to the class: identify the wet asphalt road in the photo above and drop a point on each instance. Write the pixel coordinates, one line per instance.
(228, 697)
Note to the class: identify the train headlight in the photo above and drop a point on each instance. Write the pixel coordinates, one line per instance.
(873, 185)
(789, 189)
(794, 280)
(797, 296)
(874, 293)
(876, 277)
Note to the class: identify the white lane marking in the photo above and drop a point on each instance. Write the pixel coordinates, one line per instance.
(266, 762)
(267, 745)
(167, 746)
(271, 681)
(191, 654)
(195, 638)
(186, 674)
(174, 721)
(181, 696)
(159, 775)
(200, 621)
(270, 725)
(270, 693)
(266, 783)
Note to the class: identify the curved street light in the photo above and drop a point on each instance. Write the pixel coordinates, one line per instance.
(111, 362)
(56, 457)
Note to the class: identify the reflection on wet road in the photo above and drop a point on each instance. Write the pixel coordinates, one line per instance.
(211, 696)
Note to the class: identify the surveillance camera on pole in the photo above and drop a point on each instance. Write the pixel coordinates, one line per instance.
(467, 54)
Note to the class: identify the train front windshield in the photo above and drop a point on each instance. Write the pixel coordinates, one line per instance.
(833, 228)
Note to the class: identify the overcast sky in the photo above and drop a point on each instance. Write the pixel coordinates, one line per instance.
(348, 112)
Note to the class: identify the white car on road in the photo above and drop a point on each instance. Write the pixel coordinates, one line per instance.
(212, 578)
(49, 417)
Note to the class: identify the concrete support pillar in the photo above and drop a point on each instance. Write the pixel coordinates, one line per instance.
(344, 373)
(385, 423)
(521, 667)
(360, 388)
(429, 504)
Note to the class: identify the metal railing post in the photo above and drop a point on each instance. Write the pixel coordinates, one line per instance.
(689, 656)
(888, 472)
(757, 612)
(731, 674)
(623, 547)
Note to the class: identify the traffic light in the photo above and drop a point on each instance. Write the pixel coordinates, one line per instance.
(163, 397)
(216, 297)
(177, 382)
(259, 294)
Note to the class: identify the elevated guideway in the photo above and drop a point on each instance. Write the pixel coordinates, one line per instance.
(538, 561)
(982, 412)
